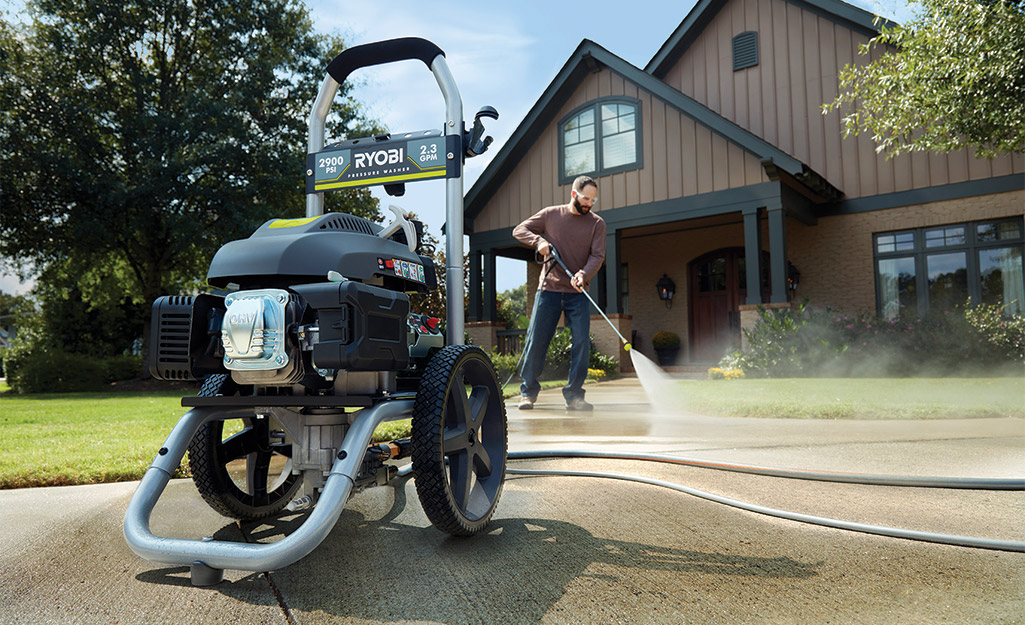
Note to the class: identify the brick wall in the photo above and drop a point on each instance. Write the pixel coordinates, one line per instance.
(835, 256)
(483, 333)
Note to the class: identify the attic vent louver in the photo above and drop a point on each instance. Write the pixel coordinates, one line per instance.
(745, 50)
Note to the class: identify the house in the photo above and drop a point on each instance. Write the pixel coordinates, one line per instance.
(717, 171)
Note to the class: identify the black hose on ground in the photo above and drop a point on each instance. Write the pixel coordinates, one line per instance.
(970, 483)
(801, 474)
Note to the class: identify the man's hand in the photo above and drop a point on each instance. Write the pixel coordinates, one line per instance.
(542, 248)
(578, 281)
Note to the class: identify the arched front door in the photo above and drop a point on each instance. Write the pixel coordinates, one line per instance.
(718, 286)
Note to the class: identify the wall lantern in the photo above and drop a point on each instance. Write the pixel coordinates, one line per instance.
(666, 289)
(793, 276)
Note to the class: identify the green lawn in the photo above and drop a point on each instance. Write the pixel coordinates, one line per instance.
(856, 398)
(84, 438)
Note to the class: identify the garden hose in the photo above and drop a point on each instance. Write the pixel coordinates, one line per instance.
(1016, 484)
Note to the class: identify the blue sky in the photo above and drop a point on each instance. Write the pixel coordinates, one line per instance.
(501, 54)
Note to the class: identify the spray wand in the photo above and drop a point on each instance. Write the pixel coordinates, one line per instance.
(558, 259)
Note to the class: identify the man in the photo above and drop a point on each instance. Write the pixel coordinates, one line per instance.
(579, 236)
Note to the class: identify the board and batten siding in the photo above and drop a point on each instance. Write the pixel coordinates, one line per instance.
(780, 99)
(680, 158)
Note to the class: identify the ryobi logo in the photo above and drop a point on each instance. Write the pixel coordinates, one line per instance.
(391, 156)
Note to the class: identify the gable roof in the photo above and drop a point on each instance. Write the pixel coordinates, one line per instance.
(589, 57)
(691, 27)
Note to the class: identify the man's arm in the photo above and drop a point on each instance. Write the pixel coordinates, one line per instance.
(529, 232)
(597, 254)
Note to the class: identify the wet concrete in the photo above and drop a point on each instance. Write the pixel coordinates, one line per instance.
(577, 550)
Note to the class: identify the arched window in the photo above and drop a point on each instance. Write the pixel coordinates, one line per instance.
(600, 138)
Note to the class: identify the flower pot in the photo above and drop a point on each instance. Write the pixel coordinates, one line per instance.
(667, 355)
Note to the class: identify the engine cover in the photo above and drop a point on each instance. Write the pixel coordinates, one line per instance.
(254, 334)
(361, 327)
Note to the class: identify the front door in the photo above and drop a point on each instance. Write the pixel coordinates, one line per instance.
(718, 283)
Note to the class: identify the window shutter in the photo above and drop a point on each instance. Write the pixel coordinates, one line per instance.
(745, 50)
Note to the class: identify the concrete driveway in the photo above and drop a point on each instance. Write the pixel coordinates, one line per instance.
(577, 550)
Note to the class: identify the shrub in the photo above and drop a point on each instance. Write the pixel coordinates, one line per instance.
(505, 364)
(599, 361)
(55, 372)
(596, 374)
(733, 360)
(800, 342)
(718, 373)
(791, 342)
(558, 357)
(124, 367)
(1005, 335)
(664, 339)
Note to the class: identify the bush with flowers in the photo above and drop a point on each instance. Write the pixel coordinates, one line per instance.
(718, 373)
(802, 342)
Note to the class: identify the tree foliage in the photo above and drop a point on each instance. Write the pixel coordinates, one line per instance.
(952, 78)
(137, 137)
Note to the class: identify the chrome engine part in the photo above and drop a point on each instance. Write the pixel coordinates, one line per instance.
(255, 337)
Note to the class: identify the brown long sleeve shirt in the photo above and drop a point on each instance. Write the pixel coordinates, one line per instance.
(580, 240)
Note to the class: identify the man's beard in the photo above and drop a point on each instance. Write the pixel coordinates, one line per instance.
(578, 207)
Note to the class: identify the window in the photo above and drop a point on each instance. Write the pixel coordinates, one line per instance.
(600, 138)
(938, 268)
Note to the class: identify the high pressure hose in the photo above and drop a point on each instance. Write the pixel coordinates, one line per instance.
(968, 483)
(801, 474)
(882, 530)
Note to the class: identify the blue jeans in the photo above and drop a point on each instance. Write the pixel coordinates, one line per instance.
(548, 307)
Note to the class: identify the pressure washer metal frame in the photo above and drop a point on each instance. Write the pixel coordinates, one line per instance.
(208, 558)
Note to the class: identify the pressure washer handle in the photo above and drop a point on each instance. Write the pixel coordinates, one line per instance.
(381, 52)
(554, 253)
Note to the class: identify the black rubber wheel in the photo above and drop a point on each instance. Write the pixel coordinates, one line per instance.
(245, 476)
(459, 440)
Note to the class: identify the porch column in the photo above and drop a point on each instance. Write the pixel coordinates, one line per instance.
(778, 253)
(490, 294)
(753, 254)
(475, 311)
(612, 252)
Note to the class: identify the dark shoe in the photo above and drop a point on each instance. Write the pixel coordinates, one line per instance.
(579, 404)
(526, 403)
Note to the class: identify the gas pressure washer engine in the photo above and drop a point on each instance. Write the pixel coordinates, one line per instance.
(305, 331)
(313, 346)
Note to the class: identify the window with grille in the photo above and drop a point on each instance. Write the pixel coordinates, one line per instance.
(600, 138)
(941, 267)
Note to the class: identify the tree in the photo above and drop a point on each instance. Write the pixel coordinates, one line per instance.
(952, 78)
(137, 137)
(512, 307)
